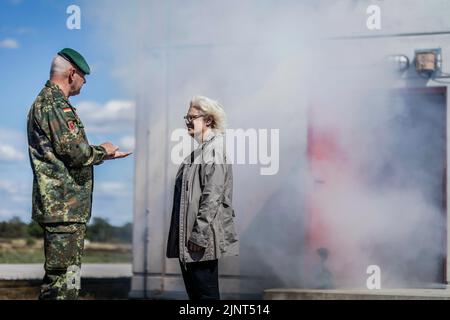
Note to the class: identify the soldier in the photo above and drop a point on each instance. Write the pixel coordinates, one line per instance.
(62, 161)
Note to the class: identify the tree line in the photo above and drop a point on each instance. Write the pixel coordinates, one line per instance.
(99, 230)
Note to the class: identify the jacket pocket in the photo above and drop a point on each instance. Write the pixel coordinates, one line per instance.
(228, 206)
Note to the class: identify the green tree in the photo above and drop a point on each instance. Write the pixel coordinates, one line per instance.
(14, 228)
(35, 230)
(101, 231)
(125, 233)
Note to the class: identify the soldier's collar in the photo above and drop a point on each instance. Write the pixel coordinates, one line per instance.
(52, 85)
(56, 89)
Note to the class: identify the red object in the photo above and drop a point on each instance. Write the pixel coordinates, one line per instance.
(71, 125)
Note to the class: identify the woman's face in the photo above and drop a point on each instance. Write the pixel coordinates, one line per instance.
(195, 123)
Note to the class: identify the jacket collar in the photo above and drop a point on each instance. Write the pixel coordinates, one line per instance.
(190, 158)
(208, 138)
(57, 91)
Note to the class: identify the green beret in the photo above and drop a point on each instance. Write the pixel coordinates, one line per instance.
(75, 58)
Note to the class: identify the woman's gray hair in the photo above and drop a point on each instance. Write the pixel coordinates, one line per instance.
(212, 109)
(59, 65)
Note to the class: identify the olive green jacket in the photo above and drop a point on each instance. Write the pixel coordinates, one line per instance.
(61, 159)
(203, 212)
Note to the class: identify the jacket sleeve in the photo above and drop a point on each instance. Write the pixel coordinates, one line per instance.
(212, 175)
(68, 140)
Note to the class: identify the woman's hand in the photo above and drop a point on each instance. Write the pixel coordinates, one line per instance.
(194, 248)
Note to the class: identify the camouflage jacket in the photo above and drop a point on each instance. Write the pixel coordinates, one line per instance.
(61, 158)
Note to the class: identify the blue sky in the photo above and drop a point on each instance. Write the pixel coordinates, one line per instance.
(31, 33)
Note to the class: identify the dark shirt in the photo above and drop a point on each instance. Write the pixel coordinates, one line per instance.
(174, 237)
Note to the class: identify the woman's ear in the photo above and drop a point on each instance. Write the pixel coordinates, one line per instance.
(209, 121)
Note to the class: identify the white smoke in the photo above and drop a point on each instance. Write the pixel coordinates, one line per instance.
(269, 63)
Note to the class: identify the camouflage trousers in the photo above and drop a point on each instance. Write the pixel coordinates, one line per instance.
(63, 246)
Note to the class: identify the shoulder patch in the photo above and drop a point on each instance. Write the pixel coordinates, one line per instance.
(72, 126)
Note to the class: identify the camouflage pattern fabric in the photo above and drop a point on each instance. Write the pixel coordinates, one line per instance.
(63, 245)
(61, 158)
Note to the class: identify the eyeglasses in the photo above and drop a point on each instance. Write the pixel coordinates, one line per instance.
(81, 74)
(188, 119)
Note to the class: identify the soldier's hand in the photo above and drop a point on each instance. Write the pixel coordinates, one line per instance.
(120, 154)
(110, 148)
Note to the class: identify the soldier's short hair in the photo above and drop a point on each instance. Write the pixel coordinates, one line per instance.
(59, 65)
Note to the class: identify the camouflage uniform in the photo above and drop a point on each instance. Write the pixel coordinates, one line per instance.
(62, 161)
(63, 245)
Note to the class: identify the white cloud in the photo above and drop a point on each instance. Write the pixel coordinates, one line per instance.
(127, 143)
(12, 145)
(8, 134)
(9, 153)
(110, 189)
(7, 214)
(15, 2)
(9, 187)
(15, 194)
(17, 191)
(21, 31)
(113, 117)
(9, 43)
(24, 30)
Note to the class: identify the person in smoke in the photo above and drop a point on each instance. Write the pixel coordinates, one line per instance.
(202, 227)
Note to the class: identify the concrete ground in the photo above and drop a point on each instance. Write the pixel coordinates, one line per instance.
(99, 281)
(382, 294)
(88, 270)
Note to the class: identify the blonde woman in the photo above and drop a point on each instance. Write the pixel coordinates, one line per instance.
(202, 228)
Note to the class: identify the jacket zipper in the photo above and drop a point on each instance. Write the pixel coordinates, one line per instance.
(185, 223)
